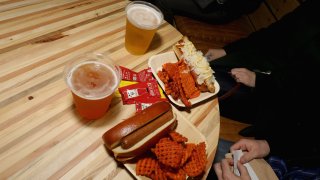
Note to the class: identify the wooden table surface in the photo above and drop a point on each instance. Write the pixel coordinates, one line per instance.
(41, 135)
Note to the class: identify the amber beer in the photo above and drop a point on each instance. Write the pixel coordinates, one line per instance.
(143, 19)
(92, 82)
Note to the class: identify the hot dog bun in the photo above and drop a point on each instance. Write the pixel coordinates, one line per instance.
(185, 49)
(140, 132)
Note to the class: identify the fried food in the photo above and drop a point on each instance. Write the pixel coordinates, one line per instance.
(169, 152)
(174, 159)
(177, 137)
(179, 81)
(197, 163)
(159, 174)
(176, 175)
(146, 166)
(187, 153)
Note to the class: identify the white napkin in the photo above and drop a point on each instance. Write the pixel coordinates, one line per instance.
(236, 157)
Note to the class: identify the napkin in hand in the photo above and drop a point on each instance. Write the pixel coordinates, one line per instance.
(236, 157)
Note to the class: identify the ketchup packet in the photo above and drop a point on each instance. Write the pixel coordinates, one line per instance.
(142, 90)
(145, 75)
(145, 90)
(142, 76)
(127, 74)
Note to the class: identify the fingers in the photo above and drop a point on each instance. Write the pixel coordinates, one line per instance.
(243, 171)
(246, 157)
(226, 168)
(223, 170)
(244, 76)
(218, 170)
(241, 144)
(209, 55)
(240, 71)
(246, 146)
(235, 70)
(238, 74)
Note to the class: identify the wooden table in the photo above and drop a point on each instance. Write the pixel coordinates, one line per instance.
(41, 135)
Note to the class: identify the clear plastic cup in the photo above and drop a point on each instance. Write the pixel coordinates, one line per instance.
(92, 79)
(143, 20)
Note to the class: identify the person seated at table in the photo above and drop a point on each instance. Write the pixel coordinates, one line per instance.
(255, 149)
(276, 69)
(273, 64)
(211, 11)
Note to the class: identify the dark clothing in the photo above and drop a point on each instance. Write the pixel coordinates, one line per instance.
(279, 166)
(284, 172)
(241, 96)
(285, 101)
(213, 11)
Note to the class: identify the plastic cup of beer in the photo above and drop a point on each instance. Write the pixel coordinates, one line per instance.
(92, 79)
(143, 20)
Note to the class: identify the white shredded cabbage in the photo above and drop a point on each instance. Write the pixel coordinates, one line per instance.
(197, 62)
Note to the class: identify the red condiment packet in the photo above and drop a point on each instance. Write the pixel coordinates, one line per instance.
(128, 74)
(142, 90)
(145, 75)
(153, 88)
(142, 76)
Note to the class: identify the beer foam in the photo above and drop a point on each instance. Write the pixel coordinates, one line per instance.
(92, 80)
(144, 16)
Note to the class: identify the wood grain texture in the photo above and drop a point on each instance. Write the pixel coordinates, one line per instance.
(271, 11)
(229, 129)
(41, 134)
(262, 17)
(282, 7)
(206, 36)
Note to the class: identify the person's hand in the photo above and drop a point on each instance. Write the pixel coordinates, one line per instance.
(244, 76)
(213, 54)
(251, 149)
(224, 171)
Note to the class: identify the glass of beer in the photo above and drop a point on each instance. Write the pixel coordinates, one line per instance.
(143, 20)
(93, 79)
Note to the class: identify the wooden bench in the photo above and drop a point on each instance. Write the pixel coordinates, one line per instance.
(206, 36)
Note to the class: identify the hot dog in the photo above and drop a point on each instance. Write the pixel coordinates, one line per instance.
(201, 70)
(146, 143)
(140, 132)
(136, 136)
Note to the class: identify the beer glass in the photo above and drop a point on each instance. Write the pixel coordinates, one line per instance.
(143, 20)
(92, 79)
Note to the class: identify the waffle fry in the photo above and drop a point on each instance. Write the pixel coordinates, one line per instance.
(159, 174)
(187, 152)
(169, 152)
(146, 166)
(177, 137)
(197, 163)
(176, 175)
(175, 159)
